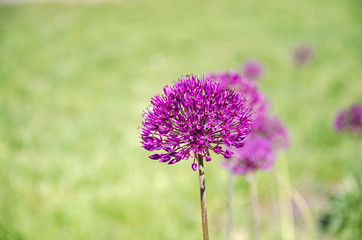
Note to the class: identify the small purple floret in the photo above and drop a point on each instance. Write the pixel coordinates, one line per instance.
(239, 145)
(228, 154)
(194, 166)
(155, 156)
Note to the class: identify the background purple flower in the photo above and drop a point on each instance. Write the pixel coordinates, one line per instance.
(273, 129)
(252, 69)
(192, 117)
(255, 155)
(261, 147)
(254, 97)
(302, 55)
(350, 119)
(268, 132)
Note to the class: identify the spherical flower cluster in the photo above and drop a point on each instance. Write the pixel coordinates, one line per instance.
(302, 55)
(260, 149)
(253, 69)
(255, 155)
(350, 119)
(272, 128)
(254, 97)
(193, 117)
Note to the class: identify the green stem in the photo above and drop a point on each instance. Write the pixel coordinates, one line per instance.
(355, 164)
(301, 204)
(254, 205)
(205, 229)
(285, 203)
(230, 205)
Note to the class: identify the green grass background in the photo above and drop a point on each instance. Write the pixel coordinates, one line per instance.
(75, 78)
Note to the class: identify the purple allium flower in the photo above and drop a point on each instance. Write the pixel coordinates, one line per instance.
(273, 129)
(255, 98)
(350, 119)
(302, 55)
(192, 117)
(255, 155)
(253, 69)
(260, 149)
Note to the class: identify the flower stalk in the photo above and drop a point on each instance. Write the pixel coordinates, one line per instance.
(254, 206)
(230, 205)
(287, 222)
(205, 229)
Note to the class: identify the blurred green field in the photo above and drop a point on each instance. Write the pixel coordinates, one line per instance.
(75, 78)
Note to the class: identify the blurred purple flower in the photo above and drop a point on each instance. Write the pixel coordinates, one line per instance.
(302, 55)
(253, 69)
(255, 99)
(350, 119)
(260, 149)
(268, 135)
(194, 116)
(273, 129)
(256, 154)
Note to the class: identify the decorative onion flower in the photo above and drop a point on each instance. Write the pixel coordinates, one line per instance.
(350, 119)
(252, 69)
(260, 149)
(257, 154)
(302, 55)
(193, 117)
(273, 129)
(254, 97)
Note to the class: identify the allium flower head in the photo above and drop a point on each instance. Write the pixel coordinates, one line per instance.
(255, 155)
(253, 69)
(254, 97)
(350, 119)
(273, 129)
(260, 149)
(302, 55)
(192, 117)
